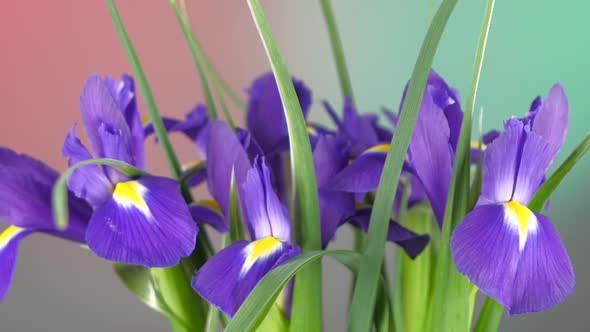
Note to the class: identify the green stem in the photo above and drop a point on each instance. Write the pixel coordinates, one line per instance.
(335, 41)
(155, 117)
(398, 295)
(456, 206)
(490, 317)
(210, 70)
(192, 44)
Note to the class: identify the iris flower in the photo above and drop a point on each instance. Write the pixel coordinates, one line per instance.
(430, 154)
(139, 221)
(510, 253)
(228, 277)
(25, 193)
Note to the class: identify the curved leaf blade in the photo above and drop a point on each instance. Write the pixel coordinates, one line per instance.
(257, 305)
(543, 193)
(365, 291)
(59, 195)
(306, 314)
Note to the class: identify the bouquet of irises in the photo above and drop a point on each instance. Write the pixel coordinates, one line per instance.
(466, 216)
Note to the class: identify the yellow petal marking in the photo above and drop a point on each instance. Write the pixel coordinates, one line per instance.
(210, 204)
(378, 148)
(8, 234)
(259, 249)
(129, 194)
(522, 219)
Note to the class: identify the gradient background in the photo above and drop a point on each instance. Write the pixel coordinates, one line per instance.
(49, 47)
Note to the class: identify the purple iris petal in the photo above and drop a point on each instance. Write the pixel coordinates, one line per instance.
(486, 250)
(329, 157)
(265, 117)
(412, 243)
(123, 93)
(535, 160)
(362, 175)
(545, 275)
(431, 155)
(9, 241)
(88, 182)
(225, 155)
(263, 212)
(500, 165)
(146, 222)
(206, 214)
(25, 192)
(552, 119)
(360, 129)
(227, 278)
(101, 115)
(487, 247)
(199, 177)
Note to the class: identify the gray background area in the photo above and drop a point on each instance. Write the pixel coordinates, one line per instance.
(49, 47)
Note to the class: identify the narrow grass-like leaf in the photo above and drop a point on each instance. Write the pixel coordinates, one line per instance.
(447, 278)
(188, 35)
(363, 301)
(264, 295)
(212, 324)
(337, 50)
(155, 117)
(59, 195)
(139, 281)
(307, 303)
(543, 193)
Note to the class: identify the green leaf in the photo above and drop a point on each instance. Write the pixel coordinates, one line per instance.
(236, 229)
(59, 195)
(307, 301)
(363, 301)
(212, 324)
(155, 117)
(194, 48)
(542, 195)
(451, 290)
(344, 77)
(264, 295)
(139, 281)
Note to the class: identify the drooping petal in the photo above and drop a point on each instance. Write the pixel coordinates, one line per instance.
(263, 212)
(265, 107)
(363, 174)
(545, 276)
(87, 182)
(9, 241)
(228, 277)
(412, 243)
(225, 155)
(431, 155)
(197, 178)
(551, 120)
(500, 162)
(329, 158)
(485, 248)
(25, 196)
(209, 213)
(513, 256)
(146, 222)
(101, 114)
